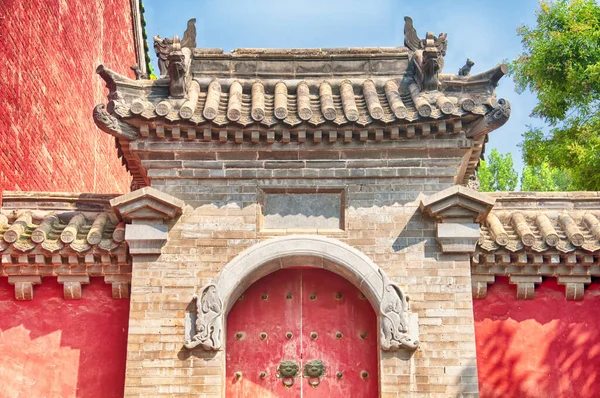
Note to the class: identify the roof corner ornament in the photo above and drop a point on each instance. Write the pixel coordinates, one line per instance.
(164, 47)
(466, 69)
(428, 58)
(207, 329)
(111, 125)
(492, 120)
(394, 319)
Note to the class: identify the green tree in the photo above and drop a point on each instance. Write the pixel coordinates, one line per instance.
(497, 173)
(560, 64)
(543, 178)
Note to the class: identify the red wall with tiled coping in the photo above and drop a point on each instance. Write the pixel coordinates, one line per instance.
(48, 89)
(546, 347)
(52, 347)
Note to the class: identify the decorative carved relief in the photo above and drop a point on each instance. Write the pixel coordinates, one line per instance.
(209, 324)
(394, 319)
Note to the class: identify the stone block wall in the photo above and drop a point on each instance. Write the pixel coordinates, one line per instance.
(48, 140)
(222, 217)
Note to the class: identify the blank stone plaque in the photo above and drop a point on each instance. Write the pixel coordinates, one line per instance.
(302, 210)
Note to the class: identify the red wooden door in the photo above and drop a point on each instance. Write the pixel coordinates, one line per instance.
(303, 315)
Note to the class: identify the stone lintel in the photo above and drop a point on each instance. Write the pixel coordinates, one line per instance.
(525, 285)
(24, 285)
(479, 284)
(574, 285)
(147, 204)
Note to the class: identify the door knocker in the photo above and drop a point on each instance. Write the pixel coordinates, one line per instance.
(314, 370)
(287, 371)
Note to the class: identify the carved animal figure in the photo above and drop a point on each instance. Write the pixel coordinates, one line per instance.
(473, 182)
(189, 36)
(394, 322)
(164, 47)
(428, 59)
(466, 69)
(177, 70)
(138, 72)
(209, 309)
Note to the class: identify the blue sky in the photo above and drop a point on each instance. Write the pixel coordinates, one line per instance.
(484, 31)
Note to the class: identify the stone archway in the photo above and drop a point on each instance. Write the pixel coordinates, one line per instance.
(205, 325)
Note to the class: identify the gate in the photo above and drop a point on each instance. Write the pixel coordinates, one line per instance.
(302, 332)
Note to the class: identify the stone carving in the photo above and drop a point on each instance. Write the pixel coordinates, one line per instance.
(394, 319)
(492, 120)
(164, 47)
(208, 325)
(111, 125)
(473, 182)
(139, 75)
(428, 58)
(287, 371)
(314, 370)
(466, 69)
(179, 62)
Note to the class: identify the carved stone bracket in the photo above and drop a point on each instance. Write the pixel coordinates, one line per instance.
(24, 285)
(205, 324)
(574, 285)
(525, 285)
(479, 284)
(72, 285)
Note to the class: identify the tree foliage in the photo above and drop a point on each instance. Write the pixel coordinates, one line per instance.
(497, 173)
(560, 64)
(543, 178)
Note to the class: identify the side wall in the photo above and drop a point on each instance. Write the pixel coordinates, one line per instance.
(48, 140)
(63, 348)
(546, 347)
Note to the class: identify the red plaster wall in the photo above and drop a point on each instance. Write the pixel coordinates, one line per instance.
(546, 347)
(48, 89)
(52, 347)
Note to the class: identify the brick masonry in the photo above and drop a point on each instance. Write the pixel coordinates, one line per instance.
(222, 217)
(48, 140)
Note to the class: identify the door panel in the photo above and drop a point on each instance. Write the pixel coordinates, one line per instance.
(346, 339)
(248, 353)
(302, 302)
